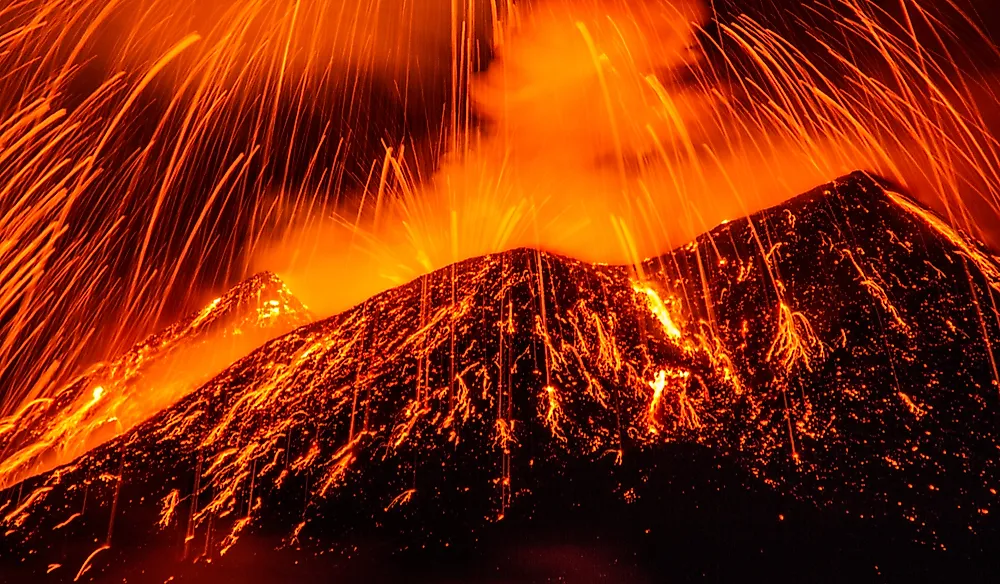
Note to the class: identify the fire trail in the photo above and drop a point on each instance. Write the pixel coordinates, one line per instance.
(827, 363)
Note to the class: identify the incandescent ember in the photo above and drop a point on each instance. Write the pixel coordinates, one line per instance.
(836, 350)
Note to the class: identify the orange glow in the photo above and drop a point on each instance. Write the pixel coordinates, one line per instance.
(616, 131)
(597, 149)
(596, 152)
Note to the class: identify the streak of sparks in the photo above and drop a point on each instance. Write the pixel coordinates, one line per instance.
(87, 563)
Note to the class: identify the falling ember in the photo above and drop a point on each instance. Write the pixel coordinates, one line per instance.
(402, 499)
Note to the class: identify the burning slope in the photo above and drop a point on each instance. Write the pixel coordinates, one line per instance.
(838, 347)
(112, 397)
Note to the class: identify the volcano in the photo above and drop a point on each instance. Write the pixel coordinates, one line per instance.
(807, 392)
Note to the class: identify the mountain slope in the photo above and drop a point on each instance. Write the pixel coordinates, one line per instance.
(829, 359)
(112, 397)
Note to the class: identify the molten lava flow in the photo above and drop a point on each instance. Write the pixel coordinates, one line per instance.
(657, 307)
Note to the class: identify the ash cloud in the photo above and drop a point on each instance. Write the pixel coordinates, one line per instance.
(618, 130)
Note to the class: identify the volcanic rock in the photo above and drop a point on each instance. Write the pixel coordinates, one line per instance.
(806, 393)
